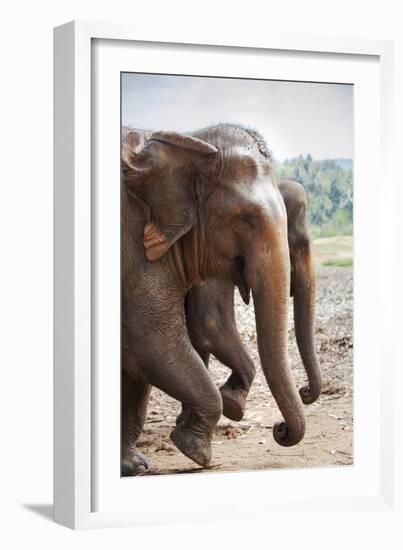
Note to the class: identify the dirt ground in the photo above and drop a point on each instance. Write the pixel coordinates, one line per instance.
(249, 445)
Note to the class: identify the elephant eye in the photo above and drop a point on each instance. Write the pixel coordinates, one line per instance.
(248, 220)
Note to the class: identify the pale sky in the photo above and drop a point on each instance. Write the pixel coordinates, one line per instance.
(294, 117)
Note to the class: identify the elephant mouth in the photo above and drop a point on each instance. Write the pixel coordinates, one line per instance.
(239, 280)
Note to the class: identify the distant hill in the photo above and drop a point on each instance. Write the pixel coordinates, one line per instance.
(346, 164)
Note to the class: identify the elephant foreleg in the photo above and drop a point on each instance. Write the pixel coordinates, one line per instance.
(205, 357)
(229, 350)
(212, 329)
(181, 374)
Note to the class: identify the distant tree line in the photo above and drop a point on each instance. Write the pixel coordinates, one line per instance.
(329, 187)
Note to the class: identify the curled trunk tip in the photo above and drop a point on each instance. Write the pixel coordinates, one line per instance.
(309, 394)
(286, 436)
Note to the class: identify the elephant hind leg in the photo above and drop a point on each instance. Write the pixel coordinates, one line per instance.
(134, 396)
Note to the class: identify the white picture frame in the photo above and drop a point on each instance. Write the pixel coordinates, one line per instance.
(79, 434)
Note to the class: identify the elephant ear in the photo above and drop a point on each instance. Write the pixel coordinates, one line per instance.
(133, 141)
(185, 142)
(171, 196)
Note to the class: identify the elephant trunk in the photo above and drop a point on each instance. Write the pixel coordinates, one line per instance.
(304, 321)
(268, 275)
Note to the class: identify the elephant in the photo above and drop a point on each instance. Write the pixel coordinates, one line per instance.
(211, 322)
(194, 207)
(209, 306)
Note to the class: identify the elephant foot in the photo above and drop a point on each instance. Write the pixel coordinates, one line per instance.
(234, 402)
(135, 464)
(194, 447)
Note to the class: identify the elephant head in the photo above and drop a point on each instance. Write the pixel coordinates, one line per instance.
(213, 211)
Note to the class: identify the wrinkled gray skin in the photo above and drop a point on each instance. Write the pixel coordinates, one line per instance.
(198, 207)
(210, 310)
(211, 322)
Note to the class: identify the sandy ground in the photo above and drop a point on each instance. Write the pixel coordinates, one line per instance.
(249, 445)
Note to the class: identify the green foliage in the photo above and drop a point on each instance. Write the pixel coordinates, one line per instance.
(329, 188)
(334, 251)
(348, 262)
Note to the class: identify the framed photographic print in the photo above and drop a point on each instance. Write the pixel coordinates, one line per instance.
(220, 322)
